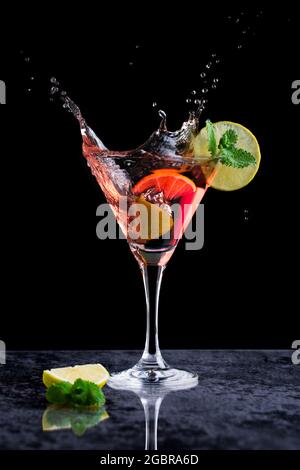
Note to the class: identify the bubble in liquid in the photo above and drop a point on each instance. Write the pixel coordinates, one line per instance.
(193, 92)
(154, 104)
(202, 74)
(208, 65)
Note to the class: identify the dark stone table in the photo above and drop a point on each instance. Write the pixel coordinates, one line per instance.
(244, 400)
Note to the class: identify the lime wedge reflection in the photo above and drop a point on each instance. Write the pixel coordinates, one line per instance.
(57, 417)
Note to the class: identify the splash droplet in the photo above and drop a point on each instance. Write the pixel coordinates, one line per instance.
(163, 117)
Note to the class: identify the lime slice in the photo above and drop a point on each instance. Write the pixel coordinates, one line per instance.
(154, 222)
(92, 372)
(228, 178)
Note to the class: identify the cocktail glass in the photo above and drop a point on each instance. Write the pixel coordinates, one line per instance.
(163, 183)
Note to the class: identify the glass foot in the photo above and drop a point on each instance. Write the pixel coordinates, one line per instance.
(137, 378)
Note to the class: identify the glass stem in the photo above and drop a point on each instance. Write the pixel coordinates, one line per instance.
(151, 410)
(152, 358)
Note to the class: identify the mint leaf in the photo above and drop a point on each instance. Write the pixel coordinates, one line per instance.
(81, 393)
(228, 139)
(236, 157)
(95, 395)
(59, 393)
(212, 143)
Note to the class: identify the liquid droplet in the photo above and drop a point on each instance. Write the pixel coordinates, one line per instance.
(197, 101)
(32, 78)
(53, 90)
(131, 64)
(154, 104)
(27, 59)
(237, 20)
(214, 86)
(215, 80)
(29, 90)
(137, 46)
(193, 92)
(163, 117)
(188, 100)
(208, 65)
(240, 46)
(213, 55)
(63, 93)
(54, 81)
(218, 61)
(204, 90)
(202, 74)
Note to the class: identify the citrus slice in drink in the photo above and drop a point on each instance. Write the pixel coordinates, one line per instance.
(92, 372)
(169, 181)
(152, 222)
(228, 178)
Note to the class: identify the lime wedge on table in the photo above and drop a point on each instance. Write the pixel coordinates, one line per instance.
(92, 372)
(228, 178)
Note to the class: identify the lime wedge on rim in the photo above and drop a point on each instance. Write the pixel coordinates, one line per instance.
(228, 178)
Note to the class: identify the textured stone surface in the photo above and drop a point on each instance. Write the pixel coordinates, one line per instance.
(244, 400)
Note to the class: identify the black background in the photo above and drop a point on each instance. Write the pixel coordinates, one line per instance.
(64, 288)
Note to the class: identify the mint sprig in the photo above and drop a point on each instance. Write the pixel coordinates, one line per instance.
(81, 393)
(227, 152)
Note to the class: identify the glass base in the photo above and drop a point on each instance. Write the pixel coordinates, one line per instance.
(167, 378)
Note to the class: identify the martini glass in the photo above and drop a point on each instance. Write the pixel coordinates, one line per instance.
(153, 191)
